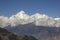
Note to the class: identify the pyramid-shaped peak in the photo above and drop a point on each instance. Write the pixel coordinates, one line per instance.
(22, 15)
(38, 14)
(21, 12)
(44, 15)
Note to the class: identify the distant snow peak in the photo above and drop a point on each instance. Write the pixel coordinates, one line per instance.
(22, 15)
(57, 18)
(21, 18)
(21, 12)
(44, 15)
(37, 16)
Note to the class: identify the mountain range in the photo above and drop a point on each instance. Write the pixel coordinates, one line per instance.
(22, 18)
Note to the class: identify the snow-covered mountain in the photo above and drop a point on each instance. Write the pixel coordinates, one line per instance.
(19, 18)
(22, 18)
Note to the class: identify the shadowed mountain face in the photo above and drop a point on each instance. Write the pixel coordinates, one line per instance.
(40, 32)
(5, 35)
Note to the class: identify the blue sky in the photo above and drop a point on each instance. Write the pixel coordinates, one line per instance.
(48, 7)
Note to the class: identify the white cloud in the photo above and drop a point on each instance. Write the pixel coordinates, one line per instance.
(3, 21)
(22, 18)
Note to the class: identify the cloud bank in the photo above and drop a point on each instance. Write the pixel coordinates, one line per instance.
(22, 18)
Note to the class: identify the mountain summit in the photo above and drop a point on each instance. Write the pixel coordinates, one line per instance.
(22, 15)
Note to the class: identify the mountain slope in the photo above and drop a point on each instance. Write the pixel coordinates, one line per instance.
(5, 35)
(40, 32)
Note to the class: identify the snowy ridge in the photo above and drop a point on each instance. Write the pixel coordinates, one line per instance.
(22, 18)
